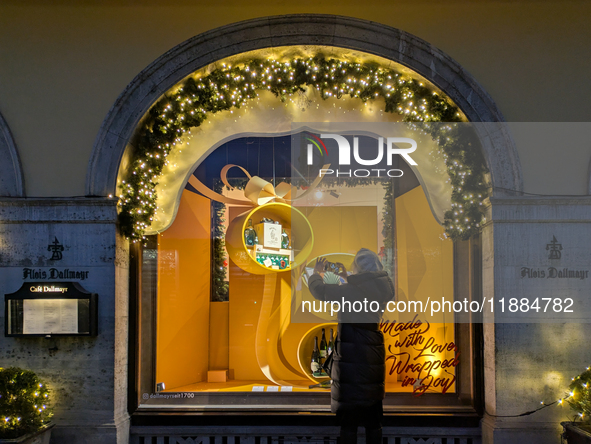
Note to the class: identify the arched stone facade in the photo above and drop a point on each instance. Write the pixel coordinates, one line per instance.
(116, 132)
(11, 174)
(306, 29)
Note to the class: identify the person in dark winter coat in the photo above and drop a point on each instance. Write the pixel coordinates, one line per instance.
(359, 370)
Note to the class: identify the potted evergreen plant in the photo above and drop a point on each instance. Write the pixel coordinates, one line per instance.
(25, 411)
(578, 398)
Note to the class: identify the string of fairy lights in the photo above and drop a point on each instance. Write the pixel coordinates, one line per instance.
(578, 398)
(166, 125)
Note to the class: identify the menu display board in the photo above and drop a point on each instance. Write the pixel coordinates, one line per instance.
(40, 309)
(50, 316)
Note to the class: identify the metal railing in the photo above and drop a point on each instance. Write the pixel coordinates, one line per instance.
(295, 435)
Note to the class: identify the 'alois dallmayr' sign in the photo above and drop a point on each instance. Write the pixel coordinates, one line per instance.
(55, 273)
(554, 253)
(554, 273)
(51, 308)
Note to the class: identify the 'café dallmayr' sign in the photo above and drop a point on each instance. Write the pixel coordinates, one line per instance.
(51, 308)
(55, 273)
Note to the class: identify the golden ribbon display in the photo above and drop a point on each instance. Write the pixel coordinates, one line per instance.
(257, 191)
(272, 323)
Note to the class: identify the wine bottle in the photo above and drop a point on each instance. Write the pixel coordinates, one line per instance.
(315, 360)
(250, 236)
(330, 347)
(284, 240)
(323, 346)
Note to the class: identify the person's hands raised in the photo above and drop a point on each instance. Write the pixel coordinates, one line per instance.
(320, 263)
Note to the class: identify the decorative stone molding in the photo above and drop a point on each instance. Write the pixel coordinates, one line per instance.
(538, 209)
(305, 29)
(46, 210)
(11, 174)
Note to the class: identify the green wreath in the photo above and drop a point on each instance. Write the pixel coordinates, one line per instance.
(175, 113)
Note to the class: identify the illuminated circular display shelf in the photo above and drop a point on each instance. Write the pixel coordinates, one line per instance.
(306, 346)
(290, 218)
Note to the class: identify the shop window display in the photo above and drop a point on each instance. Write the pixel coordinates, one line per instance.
(223, 285)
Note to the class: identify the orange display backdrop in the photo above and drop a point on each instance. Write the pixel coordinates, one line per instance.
(342, 229)
(253, 335)
(218, 336)
(424, 269)
(184, 270)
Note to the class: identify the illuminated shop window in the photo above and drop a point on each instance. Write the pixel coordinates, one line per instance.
(214, 336)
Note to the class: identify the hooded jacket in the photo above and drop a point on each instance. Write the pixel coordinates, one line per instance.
(359, 368)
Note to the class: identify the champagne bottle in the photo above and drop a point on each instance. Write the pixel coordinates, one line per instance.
(250, 236)
(315, 360)
(330, 347)
(323, 346)
(284, 240)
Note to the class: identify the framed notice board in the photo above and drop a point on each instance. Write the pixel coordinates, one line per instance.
(51, 309)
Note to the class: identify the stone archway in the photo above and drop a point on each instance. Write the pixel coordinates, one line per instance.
(109, 151)
(307, 29)
(11, 173)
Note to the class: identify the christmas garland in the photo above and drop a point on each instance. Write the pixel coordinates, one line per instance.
(579, 395)
(165, 125)
(220, 288)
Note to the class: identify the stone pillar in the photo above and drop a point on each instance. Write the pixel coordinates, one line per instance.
(530, 362)
(87, 375)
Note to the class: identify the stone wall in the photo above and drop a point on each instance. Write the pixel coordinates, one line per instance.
(87, 375)
(527, 361)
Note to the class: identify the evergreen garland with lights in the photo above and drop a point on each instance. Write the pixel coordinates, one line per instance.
(388, 227)
(220, 285)
(24, 403)
(172, 116)
(579, 395)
